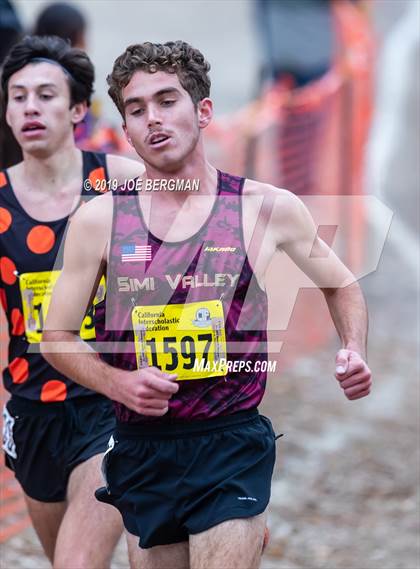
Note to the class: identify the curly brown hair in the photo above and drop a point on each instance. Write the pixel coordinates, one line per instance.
(172, 57)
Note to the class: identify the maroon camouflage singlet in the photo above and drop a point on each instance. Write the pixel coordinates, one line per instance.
(182, 302)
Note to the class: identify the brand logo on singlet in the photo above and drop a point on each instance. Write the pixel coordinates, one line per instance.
(220, 249)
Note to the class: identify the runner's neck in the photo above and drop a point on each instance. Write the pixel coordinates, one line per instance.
(48, 190)
(204, 173)
(47, 175)
(176, 215)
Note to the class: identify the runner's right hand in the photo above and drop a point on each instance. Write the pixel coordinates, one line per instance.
(146, 391)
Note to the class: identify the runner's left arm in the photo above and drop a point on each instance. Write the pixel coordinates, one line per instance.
(299, 239)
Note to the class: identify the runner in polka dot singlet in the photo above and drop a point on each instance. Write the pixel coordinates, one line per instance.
(54, 431)
(30, 252)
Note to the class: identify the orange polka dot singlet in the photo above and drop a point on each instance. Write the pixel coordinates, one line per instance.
(30, 260)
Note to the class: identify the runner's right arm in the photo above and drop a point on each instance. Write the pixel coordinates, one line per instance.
(146, 391)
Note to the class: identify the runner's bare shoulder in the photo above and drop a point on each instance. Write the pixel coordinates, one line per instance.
(122, 169)
(283, 210)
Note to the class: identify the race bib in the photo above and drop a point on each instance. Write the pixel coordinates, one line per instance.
(186, 339)
(36, 290)
(9, 446)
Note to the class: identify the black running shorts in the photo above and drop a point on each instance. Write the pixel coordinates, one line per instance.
(44, 442)
(170, 481)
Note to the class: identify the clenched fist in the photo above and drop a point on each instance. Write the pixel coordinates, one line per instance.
(353, 374)
(146, 391)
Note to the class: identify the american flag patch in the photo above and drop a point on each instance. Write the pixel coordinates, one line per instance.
(131, 253)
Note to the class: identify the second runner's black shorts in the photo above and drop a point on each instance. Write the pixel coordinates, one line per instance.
(44, 442)
(170, 481)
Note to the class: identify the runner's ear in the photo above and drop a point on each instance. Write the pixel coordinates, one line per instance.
(205, 112)
(78, 112)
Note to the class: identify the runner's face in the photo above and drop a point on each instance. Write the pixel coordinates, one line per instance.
(161, 121)
(38, 108)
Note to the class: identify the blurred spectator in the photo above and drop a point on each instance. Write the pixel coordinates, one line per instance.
(10, 33)
(63, 20)
(68, 22)
(297, 39)
(9, 26)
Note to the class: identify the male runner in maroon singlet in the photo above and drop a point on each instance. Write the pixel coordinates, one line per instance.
(190, 463)
(55, 431)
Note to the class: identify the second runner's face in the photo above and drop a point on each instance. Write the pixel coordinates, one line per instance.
(161, 121)
(38, 109)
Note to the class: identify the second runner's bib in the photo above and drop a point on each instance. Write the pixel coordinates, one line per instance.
(36, 290)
